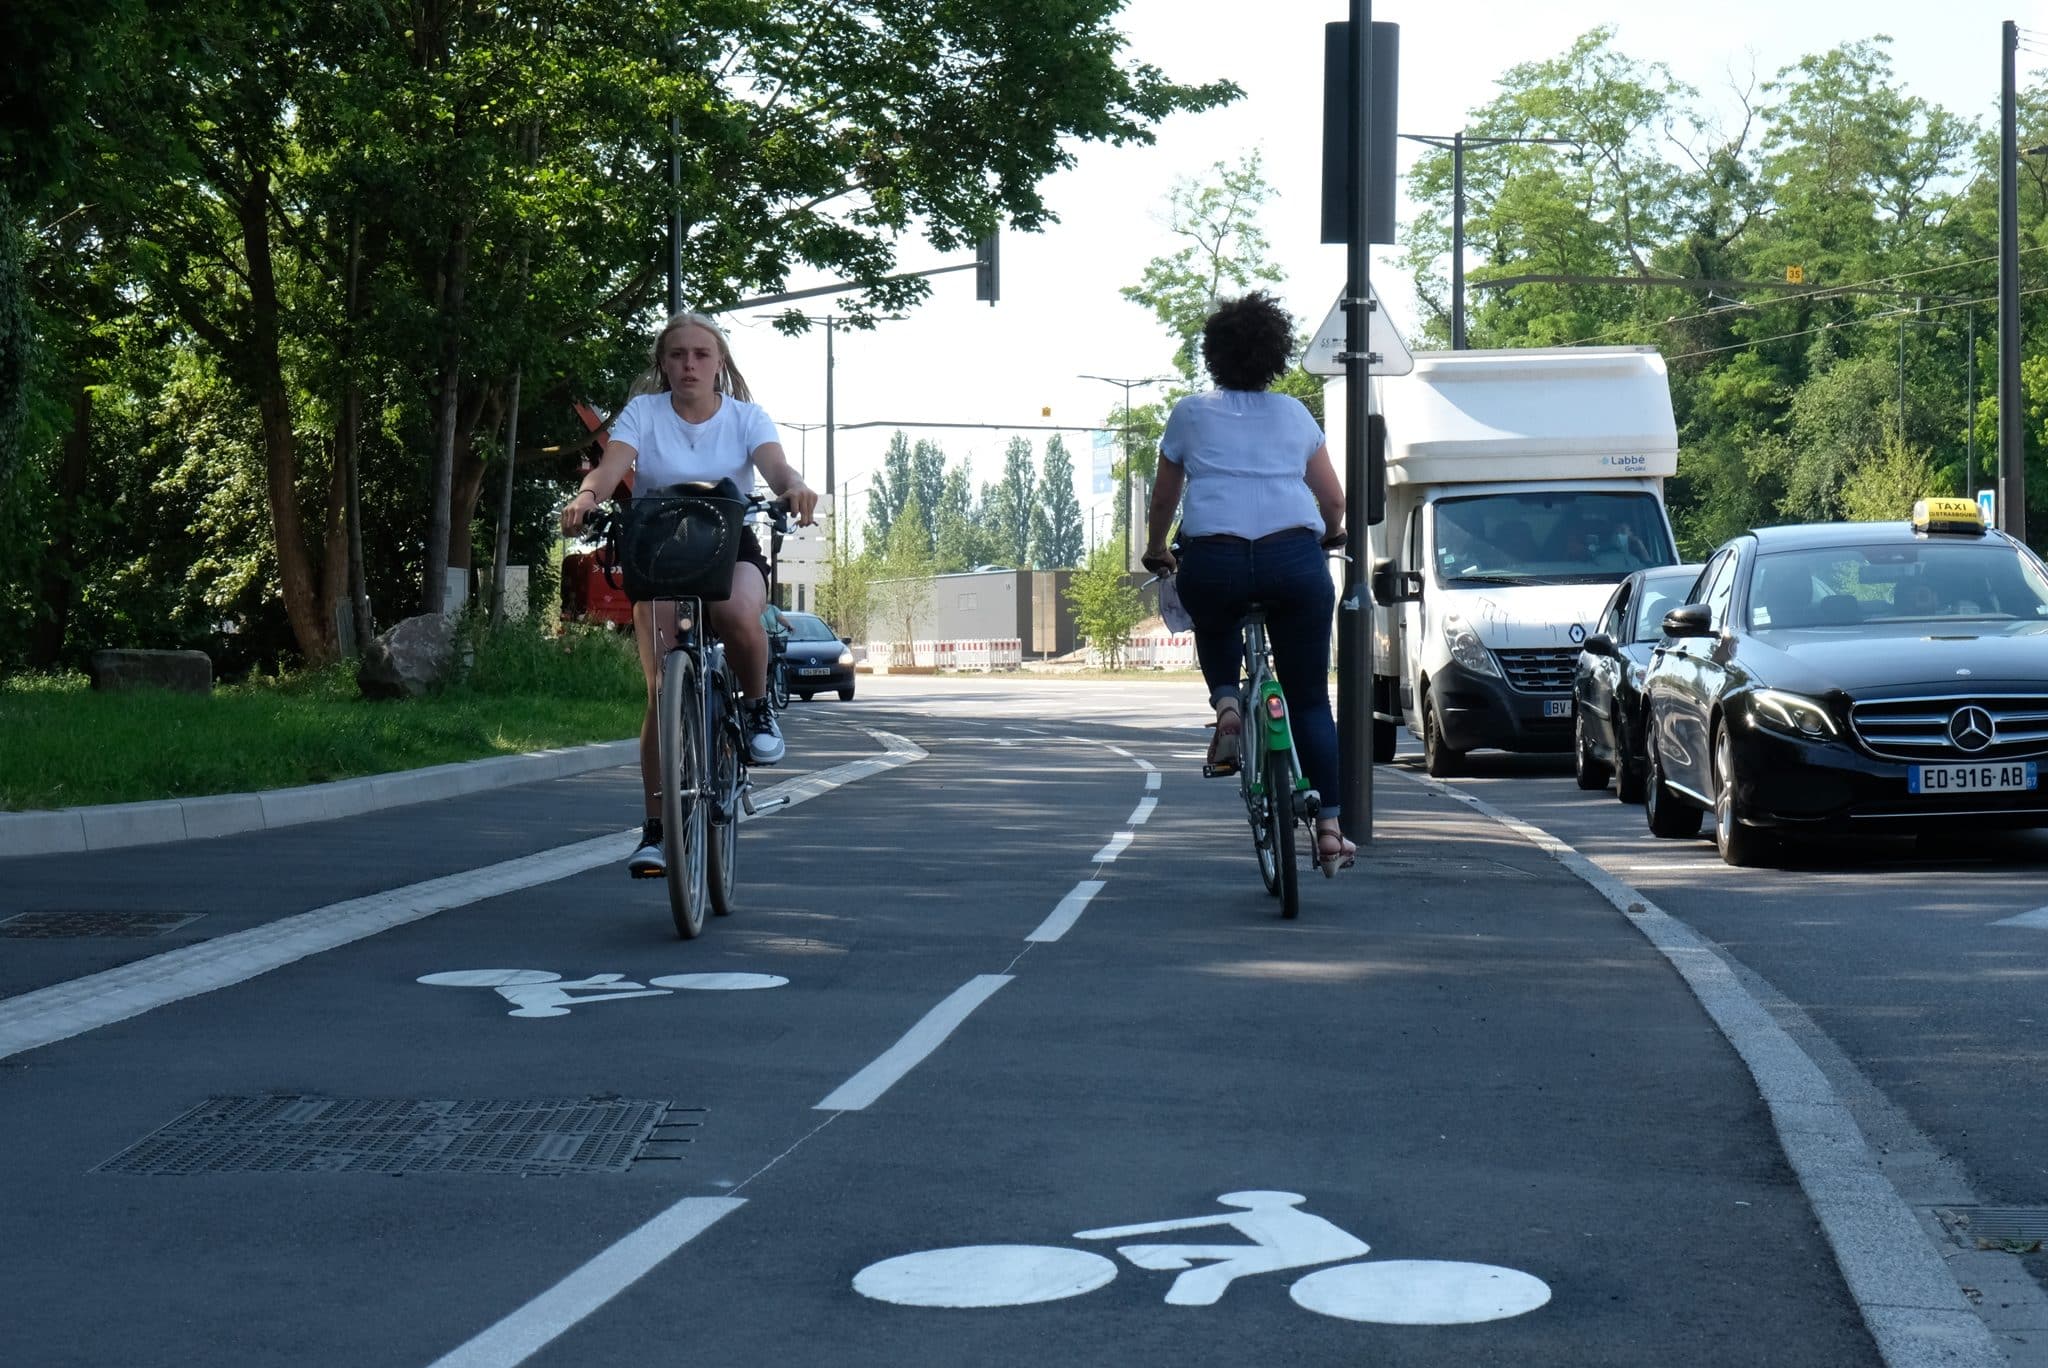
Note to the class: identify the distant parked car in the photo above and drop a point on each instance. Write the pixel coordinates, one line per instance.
(1607, 686)
(817, 659)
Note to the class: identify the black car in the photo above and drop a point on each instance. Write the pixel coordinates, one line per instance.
(816, 659)
(1607, 684)
(1853, 676)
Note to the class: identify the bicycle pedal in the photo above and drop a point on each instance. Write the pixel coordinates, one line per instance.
(1225, 770)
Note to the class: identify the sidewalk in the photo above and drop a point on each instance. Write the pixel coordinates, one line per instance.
(114, 825)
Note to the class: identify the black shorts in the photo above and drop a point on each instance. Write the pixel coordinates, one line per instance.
(750, 553)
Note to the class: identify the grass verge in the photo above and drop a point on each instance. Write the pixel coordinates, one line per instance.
(62, 745)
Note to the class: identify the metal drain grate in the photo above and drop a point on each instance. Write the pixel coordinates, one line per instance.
(528, 1136)
(55, 924)
(1971, 1225)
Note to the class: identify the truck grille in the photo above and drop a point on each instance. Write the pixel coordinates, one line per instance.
(1918, 728)
(1547, 671)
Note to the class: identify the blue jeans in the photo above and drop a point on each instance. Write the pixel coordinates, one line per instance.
(1219, 579)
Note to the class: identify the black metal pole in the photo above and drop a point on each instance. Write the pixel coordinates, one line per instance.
(831, 470)
(675, 216)
(1458, 241)
(1970, 401)
(1354, 607)
(2012, 441)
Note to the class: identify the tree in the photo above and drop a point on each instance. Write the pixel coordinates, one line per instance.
(1887, 483)
(846, 594)
(1006, 507)
(904, 579)
(1057, 537)
(1106, 605)
(961, 543)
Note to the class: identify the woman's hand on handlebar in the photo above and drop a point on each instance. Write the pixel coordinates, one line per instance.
(578, 509)
(803, 503)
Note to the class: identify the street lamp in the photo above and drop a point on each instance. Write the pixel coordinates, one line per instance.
(1128, 386)
(1457, 143)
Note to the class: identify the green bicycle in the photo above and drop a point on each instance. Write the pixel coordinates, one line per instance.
(1278, 798)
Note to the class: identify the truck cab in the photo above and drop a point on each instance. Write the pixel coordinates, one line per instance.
(1521, 486)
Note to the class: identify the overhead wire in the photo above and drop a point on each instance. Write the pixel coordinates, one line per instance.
(1849, 323)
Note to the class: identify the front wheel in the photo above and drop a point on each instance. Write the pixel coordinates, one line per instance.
(778, 684)
(679, 737)
(1382, 742)
(1739, 844)
(1437, 756)
(1587, 769)
(1669, 815)
(726, 777)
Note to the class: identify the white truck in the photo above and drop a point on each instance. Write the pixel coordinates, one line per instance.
(1521, 486)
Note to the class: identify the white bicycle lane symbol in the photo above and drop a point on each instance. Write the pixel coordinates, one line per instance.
(1283, 1237)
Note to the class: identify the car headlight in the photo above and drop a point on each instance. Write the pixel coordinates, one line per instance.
(1794, 714)
(846, 657)
(1466, 648)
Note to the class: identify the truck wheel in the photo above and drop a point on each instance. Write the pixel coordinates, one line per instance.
(1439, 759)
(1382, 742)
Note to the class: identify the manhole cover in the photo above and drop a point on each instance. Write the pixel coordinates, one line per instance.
(53, 924)
(286, 1134)
(1995, 1225)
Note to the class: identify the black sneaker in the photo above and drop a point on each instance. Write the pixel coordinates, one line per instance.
(646, 861)
(764, 737)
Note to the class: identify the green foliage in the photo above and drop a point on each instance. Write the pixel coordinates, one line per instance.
(846, 593)
(1106, 603)
(903, 582)
(1057, 536)
(1006, 507)
(961, 542)
(1885, 484)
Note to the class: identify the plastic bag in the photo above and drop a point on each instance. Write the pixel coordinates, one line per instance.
(1170, 610)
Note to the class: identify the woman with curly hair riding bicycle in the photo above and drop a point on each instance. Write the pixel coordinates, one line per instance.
(1250, 473)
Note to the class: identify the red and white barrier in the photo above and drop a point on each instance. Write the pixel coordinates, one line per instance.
(1158, 651)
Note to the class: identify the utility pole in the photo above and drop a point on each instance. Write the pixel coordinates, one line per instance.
(1354, 603)
(2012, 438)
(1129, 513)
(1456, 143)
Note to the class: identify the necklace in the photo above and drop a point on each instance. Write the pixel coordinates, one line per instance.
(692, 431)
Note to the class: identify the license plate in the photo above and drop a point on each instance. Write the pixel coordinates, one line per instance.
(1557, 707)
(815, 670)
(1992, 778)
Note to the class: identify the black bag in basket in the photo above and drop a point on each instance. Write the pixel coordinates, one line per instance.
(681, 541)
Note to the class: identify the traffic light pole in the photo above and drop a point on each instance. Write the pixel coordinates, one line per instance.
(1354, 607)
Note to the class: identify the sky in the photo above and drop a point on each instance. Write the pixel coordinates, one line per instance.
(1060, 317)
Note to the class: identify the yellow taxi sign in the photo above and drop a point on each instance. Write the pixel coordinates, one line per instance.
(1947, 515)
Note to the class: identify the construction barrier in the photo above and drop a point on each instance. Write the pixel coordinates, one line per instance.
(1161, 651)
(982, 654)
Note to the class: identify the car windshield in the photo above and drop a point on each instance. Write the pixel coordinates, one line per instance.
(1928, 579)
(1549, 537)
(805, 627)
(1658, 596)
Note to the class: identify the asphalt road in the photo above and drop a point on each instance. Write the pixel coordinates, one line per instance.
(1005, 1059)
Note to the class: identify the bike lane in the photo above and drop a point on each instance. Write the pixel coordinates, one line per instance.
(1460, 1112)
(903, 879)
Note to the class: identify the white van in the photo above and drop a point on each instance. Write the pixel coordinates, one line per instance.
(1521, 486)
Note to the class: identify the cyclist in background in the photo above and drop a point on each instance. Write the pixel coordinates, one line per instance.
(691, 419)
(1262, 499)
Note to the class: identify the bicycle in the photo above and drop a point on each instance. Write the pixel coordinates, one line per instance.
(702, 747)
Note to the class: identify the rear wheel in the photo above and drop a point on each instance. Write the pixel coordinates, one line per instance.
(1438, 758)
(1669, 815)
(1382, 742)
(724, 801)
(1629, 780)
(804, 697)
(1280, 829)
(1591, 772)
(678, 737)
(1739, 844)
(1259, 811)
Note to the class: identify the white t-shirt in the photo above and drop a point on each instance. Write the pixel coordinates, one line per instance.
(1245, 453)
(672, 451)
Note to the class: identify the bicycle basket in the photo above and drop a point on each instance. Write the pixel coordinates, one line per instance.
(679, 545)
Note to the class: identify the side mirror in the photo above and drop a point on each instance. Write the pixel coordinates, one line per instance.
(846, 641)
(1599, 644)
(1691, 620)
(1391, 584)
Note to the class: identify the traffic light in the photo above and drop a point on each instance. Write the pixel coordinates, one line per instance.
(987, 268)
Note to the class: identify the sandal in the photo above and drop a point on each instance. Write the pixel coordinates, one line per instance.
(1333, 852)
(1223, 746)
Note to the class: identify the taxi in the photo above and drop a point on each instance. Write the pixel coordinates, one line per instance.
(1852, 676)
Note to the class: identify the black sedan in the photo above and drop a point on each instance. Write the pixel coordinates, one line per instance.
(1607, 685)
(816, 659)
(1853, 676)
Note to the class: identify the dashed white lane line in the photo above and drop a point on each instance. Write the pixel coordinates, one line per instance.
(47, 1015)
(1152, 780)
(523, 1333)
(1141, 812)
(1068, 912)
(919, 1041)
(1118, 844)
(2038, 919)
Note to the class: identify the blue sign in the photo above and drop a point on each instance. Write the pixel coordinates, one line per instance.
(1102, 475)
(1987, 504)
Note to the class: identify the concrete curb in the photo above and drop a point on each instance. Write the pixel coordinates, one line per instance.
(73, 830)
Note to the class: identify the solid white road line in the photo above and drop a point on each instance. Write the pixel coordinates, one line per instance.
(1142, 811)
(1068, 912)
(2038, 919)
(1117, 845)
(1911, 1304)
(526, 1331)
(857, 1092)
(63, 1010)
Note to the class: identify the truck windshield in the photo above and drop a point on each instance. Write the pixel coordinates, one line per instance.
(1549, 537)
